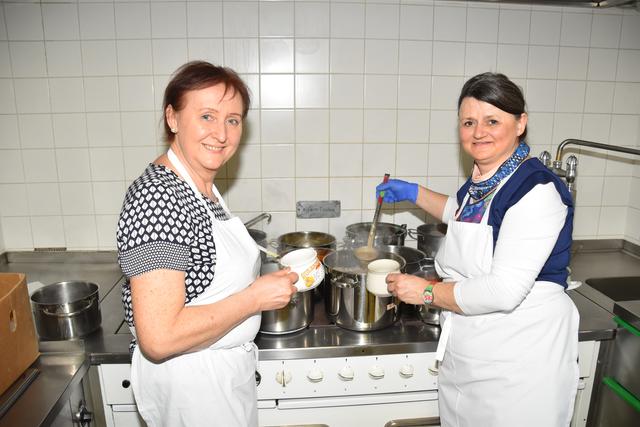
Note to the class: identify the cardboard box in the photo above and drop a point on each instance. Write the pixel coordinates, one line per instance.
(18, 339)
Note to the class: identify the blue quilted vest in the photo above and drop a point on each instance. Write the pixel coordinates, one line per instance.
(531, 173)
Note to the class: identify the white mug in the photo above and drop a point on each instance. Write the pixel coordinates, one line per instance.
(377, 272)
(305, 262)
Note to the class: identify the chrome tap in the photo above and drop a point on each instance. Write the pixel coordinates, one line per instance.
(570, 172)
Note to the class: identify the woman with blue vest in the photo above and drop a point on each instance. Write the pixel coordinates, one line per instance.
(508, 348)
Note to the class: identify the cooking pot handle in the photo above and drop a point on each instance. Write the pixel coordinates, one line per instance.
(75, 313)
(413, 233)
(343, 281)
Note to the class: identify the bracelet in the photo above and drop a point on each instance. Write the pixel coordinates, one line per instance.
(427, 295)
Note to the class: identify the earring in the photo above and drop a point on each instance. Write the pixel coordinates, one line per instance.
(174, 130)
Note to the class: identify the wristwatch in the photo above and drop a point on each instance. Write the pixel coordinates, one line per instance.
(427, 295)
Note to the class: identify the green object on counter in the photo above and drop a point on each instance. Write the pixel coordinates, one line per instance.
(622, 392)
(627, 326)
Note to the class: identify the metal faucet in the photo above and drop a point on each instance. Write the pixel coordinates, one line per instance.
(257, 219)
(571, 171)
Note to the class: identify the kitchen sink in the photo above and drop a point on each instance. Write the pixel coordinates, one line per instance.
(606, 291)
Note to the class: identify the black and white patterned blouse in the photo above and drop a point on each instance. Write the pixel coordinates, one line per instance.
(163, 225)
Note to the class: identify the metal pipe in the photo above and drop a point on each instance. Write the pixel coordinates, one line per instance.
(260, 217)
(591, 144)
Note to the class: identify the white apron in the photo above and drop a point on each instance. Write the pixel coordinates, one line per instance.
(504, 369)
(215, 386)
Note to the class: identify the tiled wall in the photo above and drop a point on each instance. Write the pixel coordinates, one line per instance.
(344, 91)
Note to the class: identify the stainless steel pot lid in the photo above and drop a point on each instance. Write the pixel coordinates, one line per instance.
(306, 239)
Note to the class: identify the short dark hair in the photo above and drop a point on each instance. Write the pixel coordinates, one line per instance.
(196, 75)
(495, 89)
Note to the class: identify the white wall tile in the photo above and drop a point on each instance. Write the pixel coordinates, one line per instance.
(591, 162)
(312, 91)
(97, 21)
(312, 19)
(570, 96)
(245, 195)
(32, 95)
(28, 59)
(241, 19)
(347, 20)
(482, 25)
(416, 22)
(630, 38)
(17, 233)
(204, 19)
(168, 55)
(311, 126)
(346, 56)
(312, 55)
(628, 66)
(36, 131)
(10, 137)
(60, 21)
(541, 95)
(445, 92)
(612, 221)
(281, 194)
(242, 55)
(80, 232)
(576, 29)
(514, 26)
(620, 164)
(5, 59)
(599, 97)
(596, 127)
(77, 198)
(44, 199)
(381, 56)
(168, 20)
(106, 230)
(480, 58)
(415, 57)
(136, 93)
(380, 91)
(450, 23)
(106, 164)
(545, 28)
(448, 58)
(73, 165)
(276, 91)
(573, 63)
(70, 130)
(48, 232)
(605, 30)
(108, 197)
(585, 222)
(99, 58)
(14, 200)
(413, 126)
(278, 161)
(382, 21)
(134, 57)
(566, 125)
(138, 128)
(312, 160)
(24, 21)
(64, 58)
(345, 160)
(11, 170)
(379, 126)
(411, 159)
(626, 98)
(104, 129)
(3, 27)
(543, 62)
(67, 94)
(625, 130)
(378, 159)
(133, 20)
(589, 191)
(616, 191)
(39, 165)
(347, 190)
(346, 91)
(276, 19)
(278, 127)
(210, 50)
(246, 163)
(312, 189)
(512, 60)
(276, 55)
(443, 127)
(414, 91)
(101, 93)
(346, 126)
(602, 64)
(443, 160)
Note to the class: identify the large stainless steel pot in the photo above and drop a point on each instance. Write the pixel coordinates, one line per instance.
(293, 317)
(429, 237)
(66, 310)
(416, 259)
(427, 313)
(347, 301)
(304, 239)
(386, 234)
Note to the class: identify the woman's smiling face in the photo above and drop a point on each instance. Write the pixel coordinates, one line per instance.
(487, 133)
(208, 128)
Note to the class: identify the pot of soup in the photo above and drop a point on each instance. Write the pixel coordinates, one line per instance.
(348, 302)
(357, 235)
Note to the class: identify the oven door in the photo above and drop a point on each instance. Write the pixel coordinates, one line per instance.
(409, 409)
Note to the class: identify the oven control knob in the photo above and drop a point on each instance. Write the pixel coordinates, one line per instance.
(376, 372)
(283, 378)
(346, 373)
(406, 371)
(315, 375)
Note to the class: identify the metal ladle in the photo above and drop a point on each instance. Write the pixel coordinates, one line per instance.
(369, 253)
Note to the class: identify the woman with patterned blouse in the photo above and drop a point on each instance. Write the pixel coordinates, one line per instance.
(193, 297)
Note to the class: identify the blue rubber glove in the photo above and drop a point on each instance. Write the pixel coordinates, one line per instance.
(397, 190)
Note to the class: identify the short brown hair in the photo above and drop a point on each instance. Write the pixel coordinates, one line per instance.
(196, 75)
